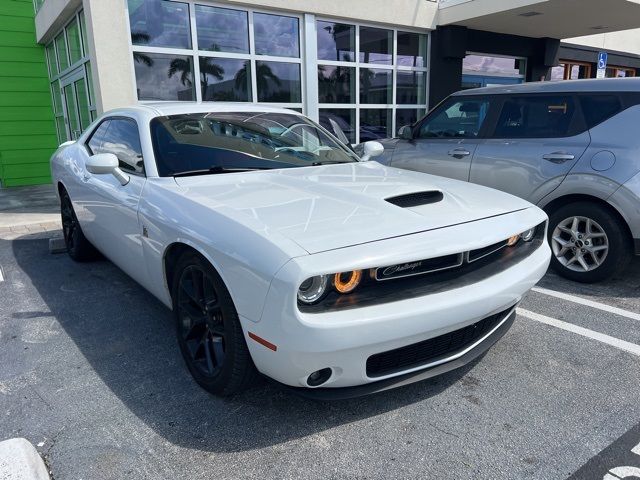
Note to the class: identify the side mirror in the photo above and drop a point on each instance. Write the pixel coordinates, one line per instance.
(372, 149)
(106, 163)
(405, 133)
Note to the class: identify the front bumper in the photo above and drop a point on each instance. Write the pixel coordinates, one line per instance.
(343, 340)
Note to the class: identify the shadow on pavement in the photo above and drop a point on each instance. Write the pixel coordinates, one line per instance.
(128, 338)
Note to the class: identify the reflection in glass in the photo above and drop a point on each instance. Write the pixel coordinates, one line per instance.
(406, 116)
(61, 127)
(83, 103)
(61, 48)
(159, 23)
(73, 39)
(57, 97)
(89, 74)
(51, 58)
(376, 86)
(278, 82)
(225, 79)
(412, 49)
(374, 124)
(342, 118)
(376, 46)
(276, 35)
(164, 77)
(336, 84)
(411, 88)
(222, 29)
(72, 111)
(487, 64)
(83, 29)
(336, 41)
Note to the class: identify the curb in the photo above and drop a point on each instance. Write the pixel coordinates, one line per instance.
(19, 460)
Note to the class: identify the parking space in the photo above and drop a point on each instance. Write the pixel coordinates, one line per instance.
(92, 376)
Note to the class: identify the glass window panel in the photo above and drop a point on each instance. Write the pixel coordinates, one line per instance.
(278, 82)
(123, 140)
(61, 49)
(411, 88)
(497, 65)
(83, 29)
(336, 84)
(336, 41)
(73, 40)
(535, 117)
(61, 130)
(276, 35)
(83, 104)
(159, 23)
(376, 46)
(412, 49)
(342, 118)
(225, 79)
(89, 73)
(455, 119)
(557, 73)
(376, 86)
(51, 58)
(597, 108)
(57, 97)
(72, 111)
(164, 77)
(222, 29)
(375, 124)
(96, 140)
(406, 116)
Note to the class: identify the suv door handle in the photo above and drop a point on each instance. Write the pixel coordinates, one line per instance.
(558, 157)
(459, 153)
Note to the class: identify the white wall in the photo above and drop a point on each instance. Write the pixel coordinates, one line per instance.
(625, 41)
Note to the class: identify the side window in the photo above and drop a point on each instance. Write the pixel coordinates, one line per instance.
(455, 119)
(123, 140)
(535, 117)
(97, 138)
(598, 108)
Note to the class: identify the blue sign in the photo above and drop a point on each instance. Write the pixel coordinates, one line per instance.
(602, 60)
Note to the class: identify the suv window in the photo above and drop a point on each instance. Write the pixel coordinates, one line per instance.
(535, 117)
(456, 118)
(598, 108)
(123, 140)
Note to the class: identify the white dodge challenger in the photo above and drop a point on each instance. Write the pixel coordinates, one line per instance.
(281, 251)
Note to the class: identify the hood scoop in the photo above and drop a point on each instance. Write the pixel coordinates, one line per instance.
(416, 199)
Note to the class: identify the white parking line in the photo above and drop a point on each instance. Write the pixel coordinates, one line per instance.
(585, 332)
(588, 303)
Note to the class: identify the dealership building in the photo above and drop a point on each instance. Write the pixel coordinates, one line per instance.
(369, 65)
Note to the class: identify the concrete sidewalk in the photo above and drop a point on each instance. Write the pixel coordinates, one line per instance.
(25, 210)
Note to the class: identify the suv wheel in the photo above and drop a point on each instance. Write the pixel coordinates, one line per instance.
(588, 242)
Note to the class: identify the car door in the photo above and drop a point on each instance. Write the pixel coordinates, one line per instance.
(535, 142)
(444, 141)
(110, 209)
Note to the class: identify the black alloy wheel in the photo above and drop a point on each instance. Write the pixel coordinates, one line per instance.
(78, 247)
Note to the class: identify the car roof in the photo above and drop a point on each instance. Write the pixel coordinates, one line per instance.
(161, 109)
(564, 86)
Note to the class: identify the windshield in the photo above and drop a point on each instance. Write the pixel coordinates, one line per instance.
(201, 143)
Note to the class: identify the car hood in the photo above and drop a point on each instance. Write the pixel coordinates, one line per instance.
(334, 206)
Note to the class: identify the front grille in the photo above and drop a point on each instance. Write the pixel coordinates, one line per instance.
(431, 350)
(416, 199)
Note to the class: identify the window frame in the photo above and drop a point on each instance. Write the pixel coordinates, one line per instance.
(110, 118)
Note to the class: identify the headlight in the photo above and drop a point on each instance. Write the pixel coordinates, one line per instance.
(511, 241)
(346, 282)
(528, 235)
(312, 289)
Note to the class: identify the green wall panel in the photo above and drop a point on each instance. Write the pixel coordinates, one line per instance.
(27, 127)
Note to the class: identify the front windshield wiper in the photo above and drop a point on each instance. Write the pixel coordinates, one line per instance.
(216, 170)
(327, 162)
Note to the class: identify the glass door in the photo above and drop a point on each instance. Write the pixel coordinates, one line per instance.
(76, 103)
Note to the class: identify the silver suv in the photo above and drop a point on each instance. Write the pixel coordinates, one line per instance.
(572, 148)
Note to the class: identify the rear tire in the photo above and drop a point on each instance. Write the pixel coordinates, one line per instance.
(78, 247)
(588, 242)
(209, 333)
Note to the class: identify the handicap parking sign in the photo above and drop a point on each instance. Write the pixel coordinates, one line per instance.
(602, 60)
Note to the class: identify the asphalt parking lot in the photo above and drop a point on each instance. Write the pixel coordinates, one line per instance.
(92, 375)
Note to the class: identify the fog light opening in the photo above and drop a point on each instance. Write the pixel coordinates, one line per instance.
(319, 377)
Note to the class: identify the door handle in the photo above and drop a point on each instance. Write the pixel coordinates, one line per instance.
(459, 153)
(558, 157)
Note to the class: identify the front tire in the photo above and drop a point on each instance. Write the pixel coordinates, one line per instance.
(588, 242)
(209, 333)
(78, 247)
